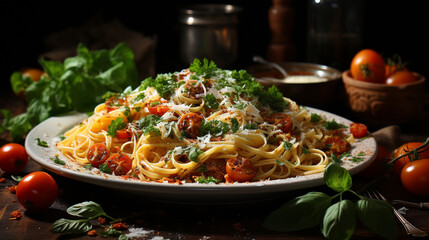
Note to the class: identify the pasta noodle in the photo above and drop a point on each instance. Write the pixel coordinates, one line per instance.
(204, 124)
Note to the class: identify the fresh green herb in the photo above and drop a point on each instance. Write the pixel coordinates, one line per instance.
(116, 125)
(333, 125)
(169, 129)
(139, 97)
(304, 150)
(287, 145)
(41, 143)
(148, 123)
(315, 118)
(183, 134)
(205, 69)
(138, 109)
(215, 127)
(76, 84)
(207, 180)
(251, 126)
(280, 163)
(127, 113)
(105, 168)
(57, 160)
(235, 125)
(87, 166)
(337, 160)
(16, 178)
(338, 220)
(211, 101)
(193, 153)
(240, 105)
(165, 84)
(273, 98)
(153, 104)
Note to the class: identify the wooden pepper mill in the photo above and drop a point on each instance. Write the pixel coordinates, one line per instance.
(281, 21)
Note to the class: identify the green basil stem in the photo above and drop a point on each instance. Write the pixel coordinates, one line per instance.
(419, 149)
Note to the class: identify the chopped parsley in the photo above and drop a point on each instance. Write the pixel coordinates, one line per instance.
(165, 84)
(205, 69)
(251, 126)
(41, 143)
(105, 168)
(207, 180)
(211, 101)
(305, 150)
(116, 125)
(273, 98)
(193, 153)
(139, 97)
(287, 145)
(215, 127)
(235, 125)
(57, 160)
(148, 123)
(315, 118)
(333, 125)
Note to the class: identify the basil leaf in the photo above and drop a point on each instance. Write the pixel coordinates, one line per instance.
(88, 209)
(339, 221)
(302, 212)
(211, 101)
(337, 178)
(194, 153)
(333, 125)
(235, 125)
(377, 216)
(116, 125)
(67, 226)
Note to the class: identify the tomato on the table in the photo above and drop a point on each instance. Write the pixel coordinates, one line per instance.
(359, 130)
(415, 177)
(13, 158)
(97, 154)
(378, 164)
(240, 169)
(401, 77)
(405, 148)
(37, 191)
(119, 163)
(369, 66)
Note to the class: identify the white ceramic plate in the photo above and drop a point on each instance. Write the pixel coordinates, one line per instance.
(52, 128)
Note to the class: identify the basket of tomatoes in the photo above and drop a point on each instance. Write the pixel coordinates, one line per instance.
(382, 92)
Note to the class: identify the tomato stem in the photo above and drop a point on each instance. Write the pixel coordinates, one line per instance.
(413, 152)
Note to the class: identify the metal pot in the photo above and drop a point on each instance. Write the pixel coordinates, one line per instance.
(209, 31)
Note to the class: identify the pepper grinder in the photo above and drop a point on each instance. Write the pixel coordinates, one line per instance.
(281, 21)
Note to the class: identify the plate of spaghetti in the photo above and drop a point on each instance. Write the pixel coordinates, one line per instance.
(202, 132)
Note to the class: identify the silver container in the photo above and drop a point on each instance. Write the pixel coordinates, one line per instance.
(209, 31)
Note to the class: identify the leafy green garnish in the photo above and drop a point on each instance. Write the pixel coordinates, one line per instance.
(235, 125)
(148, 123)
(333, 125)
(41, 143)
(205, 69)
(105, 168)
(215, 127)
(116, 125)
(287, 145)
(251, 126)
(211, 101)
(315, 118)
(165, 84)
(57, 160)
(273, 98)
(193, 153)
(76, 84)
(207, 180)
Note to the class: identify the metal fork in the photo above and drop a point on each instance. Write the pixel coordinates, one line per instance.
(409, 228)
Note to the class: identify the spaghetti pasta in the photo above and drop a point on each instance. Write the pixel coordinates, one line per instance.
(204, 124)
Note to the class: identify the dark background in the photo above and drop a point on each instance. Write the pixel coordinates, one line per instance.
(389, 27)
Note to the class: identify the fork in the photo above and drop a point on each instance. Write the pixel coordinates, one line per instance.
(409, 228)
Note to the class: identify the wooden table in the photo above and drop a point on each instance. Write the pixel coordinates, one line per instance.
(173, 220)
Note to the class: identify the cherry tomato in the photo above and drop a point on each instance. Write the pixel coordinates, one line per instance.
(401, 77)
(34, 73)
(191, 123)
(337, 145)
(405, 148)
(158, 110)
(415, 177)
(97, 154)
(369, 66)
(282, 120)
(240, 169)
(37, 191)
(377, 165)
(13, 158)
(119, 163)
(123, 134)
(358, 130)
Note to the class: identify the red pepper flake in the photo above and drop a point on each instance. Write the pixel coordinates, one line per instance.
(120, 226)
(101, 220)
(12, 189)
(16, 215)
(2, 179)
(92, 233)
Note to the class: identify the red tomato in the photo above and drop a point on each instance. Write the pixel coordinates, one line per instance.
(369, 66)
(13, 158)
(240, 169)
(358, 130)
(337, 145)
(282, 120)
(401, 77)
(415, 177)
(191, 123)
(405, 148)
(158, 110)
(34, 73)
(377, 165)
(37, 191)
(123, 134)
(119, 163)
(97, 154)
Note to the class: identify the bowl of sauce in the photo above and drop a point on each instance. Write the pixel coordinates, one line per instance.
(307, 84)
